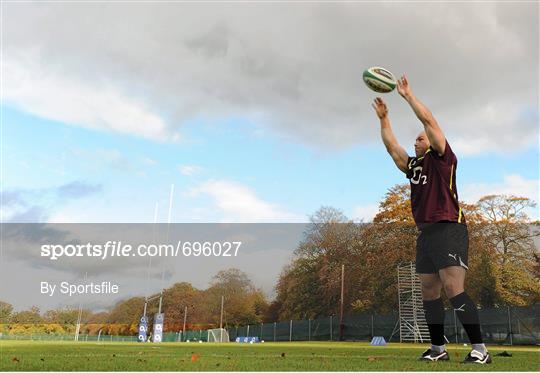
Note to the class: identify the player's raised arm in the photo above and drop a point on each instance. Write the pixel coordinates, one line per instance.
(396, 151)
(433, 131)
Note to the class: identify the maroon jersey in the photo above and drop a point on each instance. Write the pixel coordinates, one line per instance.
(434, 194)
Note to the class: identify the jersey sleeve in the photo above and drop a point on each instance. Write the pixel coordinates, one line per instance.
(448, 157)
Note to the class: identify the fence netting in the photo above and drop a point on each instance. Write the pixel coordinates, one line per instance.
(503, 325)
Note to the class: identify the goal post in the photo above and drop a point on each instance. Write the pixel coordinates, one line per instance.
(218, 335)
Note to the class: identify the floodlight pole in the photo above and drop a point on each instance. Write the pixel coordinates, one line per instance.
(341, 326)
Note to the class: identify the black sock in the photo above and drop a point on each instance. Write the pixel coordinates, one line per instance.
(468, 315)
(434, 311)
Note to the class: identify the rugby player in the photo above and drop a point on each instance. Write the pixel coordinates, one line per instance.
(442, 245)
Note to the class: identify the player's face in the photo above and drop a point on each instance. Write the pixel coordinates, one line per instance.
(421, 144)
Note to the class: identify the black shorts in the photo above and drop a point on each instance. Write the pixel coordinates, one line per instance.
(442, 245)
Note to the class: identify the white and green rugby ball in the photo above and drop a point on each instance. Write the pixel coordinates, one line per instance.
(379, 79)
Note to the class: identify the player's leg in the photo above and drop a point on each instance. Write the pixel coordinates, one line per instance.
(453, 279)
(451, 261)
(431, 286)
(434, 312)
(433, 305)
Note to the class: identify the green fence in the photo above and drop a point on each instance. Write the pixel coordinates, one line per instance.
(68, 337)
(354, 328)
(504, 325)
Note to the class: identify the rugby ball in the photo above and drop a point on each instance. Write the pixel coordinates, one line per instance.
(379, 79)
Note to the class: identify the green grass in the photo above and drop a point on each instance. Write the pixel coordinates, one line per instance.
(284, 356)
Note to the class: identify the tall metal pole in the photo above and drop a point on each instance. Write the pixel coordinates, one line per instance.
(221, 320)
(185, 319)
(290, 331)
(331, 328)
(167, 240)
(221, 315)
(372, 333)
(510, 326)
(79, 316)
(150, 260)
(170, 207)
(341, 326)
(160, 300)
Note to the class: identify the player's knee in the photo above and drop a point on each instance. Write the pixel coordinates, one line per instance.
(430, 292)
(452, 289)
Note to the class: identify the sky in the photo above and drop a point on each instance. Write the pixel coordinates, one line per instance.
(255, 112)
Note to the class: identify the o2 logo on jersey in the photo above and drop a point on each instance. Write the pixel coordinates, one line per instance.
(417, 176)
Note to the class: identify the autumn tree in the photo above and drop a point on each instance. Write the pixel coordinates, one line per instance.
(244, 303)
(6, 310)
(503, 261)
(310, 286)
(176, 299)
(387, 242)
(510, 233)
(65, 316)
(299, 292)
(125, 315)
(94, 322)
(31, 316)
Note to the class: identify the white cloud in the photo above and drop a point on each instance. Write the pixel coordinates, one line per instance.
(238, 203)
(75, 100)
(37, 205)
(366, 213)
(149, 161)
(513, 184)
(491, 118)
(189, 170)
(145, 69)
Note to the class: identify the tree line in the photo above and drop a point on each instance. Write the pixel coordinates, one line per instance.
(504, 262)
(245, 304)
(504, 269)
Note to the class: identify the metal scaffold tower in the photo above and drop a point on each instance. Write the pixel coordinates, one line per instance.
(412, 322)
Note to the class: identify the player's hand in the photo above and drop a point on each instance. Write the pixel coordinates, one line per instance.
(380, 107)
(403, 87)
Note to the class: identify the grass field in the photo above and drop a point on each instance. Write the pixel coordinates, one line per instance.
(284, 356)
